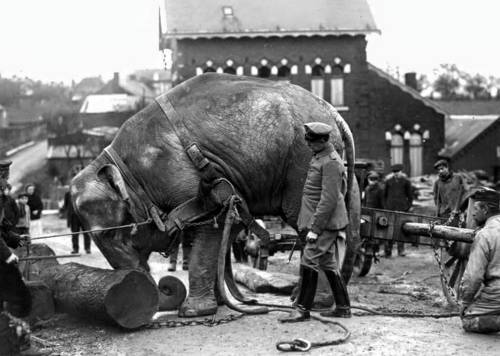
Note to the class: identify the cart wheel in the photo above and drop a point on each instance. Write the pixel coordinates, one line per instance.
(363, 264)
(453, 268)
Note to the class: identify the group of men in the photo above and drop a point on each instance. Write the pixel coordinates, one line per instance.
(323, 217)
(395, 194)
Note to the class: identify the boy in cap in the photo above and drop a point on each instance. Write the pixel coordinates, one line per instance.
(398, 196)
(448, 190)
(373, 194)
(323, 214)
(480, 286)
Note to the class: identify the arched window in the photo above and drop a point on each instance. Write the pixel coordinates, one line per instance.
(209, 67)
(337, 86)
(284, 72)
(397, 146)
(264, 72)
(317, 80)
(416, 154)
(230, 70)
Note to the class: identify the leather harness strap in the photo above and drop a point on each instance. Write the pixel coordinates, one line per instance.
(200, 161)
(150, 209)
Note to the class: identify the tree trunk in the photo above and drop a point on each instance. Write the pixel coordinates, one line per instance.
(128, 298)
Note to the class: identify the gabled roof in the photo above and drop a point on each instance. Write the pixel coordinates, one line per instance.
(127, 86)
(266, 18)
(462, 130)
(406, 89)
(89, 85)
(470, 107)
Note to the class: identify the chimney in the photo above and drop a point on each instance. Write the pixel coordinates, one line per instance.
(116, 78)
(411, 80)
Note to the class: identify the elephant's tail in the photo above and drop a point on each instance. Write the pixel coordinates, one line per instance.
(348, 140)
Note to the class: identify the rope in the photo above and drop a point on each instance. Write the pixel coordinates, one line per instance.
(132, 225)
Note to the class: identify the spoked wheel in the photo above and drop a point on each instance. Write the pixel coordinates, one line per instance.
(363, 263)
(453, 271)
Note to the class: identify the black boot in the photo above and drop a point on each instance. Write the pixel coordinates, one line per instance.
(339, 290)
(305, 299)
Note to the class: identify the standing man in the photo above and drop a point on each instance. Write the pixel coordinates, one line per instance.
(480, 287)
(36, 206)
(323, 214)
(398, 196)
(15, 298)
(73, 222)
(373, 195)
(448, 190)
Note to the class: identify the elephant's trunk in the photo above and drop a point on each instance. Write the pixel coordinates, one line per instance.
(222, 266)
(348, 140)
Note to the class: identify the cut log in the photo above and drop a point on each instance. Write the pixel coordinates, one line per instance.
(31, 269)
(264, 282)
(42, 301)
(128, 298)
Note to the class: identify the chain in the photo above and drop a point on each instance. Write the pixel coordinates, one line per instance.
(461, 222)
(210, 322)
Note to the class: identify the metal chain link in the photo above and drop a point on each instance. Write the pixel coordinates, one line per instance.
(157, 324)
(461, 222)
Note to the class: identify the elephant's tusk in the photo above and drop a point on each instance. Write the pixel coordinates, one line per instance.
(228, 223)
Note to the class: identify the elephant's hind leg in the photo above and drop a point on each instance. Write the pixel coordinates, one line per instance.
(202, 273)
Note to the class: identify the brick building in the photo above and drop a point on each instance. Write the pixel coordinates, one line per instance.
(319, 45)
(473, 135)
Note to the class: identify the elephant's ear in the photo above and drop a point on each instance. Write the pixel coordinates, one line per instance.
(110, 173)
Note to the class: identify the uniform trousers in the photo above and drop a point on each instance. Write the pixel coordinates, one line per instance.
(321, 253)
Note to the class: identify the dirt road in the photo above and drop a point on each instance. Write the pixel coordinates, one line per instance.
(404, 283)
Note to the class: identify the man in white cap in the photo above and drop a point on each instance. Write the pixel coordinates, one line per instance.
(480, 287)
(323, 214)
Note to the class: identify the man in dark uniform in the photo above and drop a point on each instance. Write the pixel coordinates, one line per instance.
(480, 286)
(398, 196)
(15, 298)
(448, 190)
(323, 214)
(73, 222)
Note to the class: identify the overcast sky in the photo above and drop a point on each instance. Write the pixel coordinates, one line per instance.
(64, 39)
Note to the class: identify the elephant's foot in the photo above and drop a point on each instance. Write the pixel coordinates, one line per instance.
(193, 307)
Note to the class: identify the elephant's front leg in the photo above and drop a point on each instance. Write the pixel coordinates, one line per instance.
(202, 273)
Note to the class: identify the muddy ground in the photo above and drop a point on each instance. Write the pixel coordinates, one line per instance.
(408, 283)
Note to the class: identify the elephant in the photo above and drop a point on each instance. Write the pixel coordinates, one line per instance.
(249, 129)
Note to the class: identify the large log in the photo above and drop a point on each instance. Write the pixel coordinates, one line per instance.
(128, 298)
(264, 282)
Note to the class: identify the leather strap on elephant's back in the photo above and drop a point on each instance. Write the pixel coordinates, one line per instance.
(200, 161)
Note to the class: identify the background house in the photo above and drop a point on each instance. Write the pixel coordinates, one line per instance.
(321, 46)
(473, 135)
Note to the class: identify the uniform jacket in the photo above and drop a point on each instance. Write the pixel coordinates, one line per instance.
(483, 269)
(323, 206)
(7, 237)
(448, 194)
(373, 196)
(398, 195)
